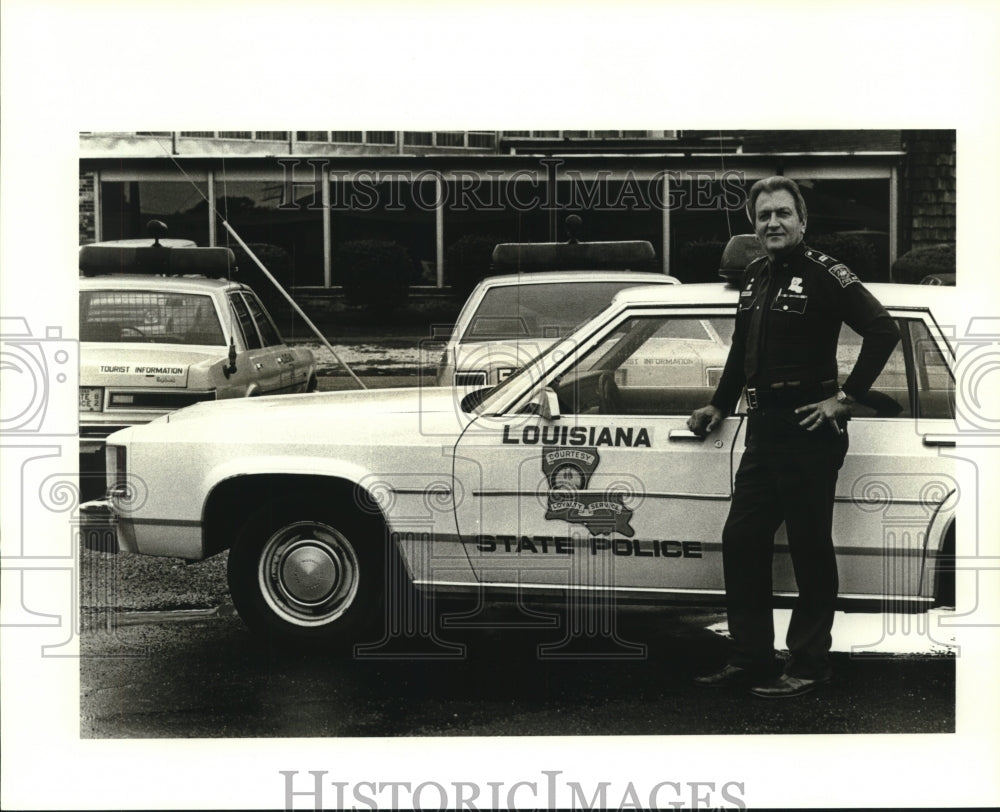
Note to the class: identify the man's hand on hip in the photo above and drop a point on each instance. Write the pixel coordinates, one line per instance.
(704, 420)
(829, 412)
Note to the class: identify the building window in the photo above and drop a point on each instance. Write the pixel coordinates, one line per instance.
(244, 134)
(321, 136)
(545, 133)
(398, 211)
(450, 139)
(635, 133)
(516, 133)
(197, 134)
(154, 133)
(272, 135)
(287, 235)
(418, 139)
(380, 136)
(346, 136)
(575, 133)
(607, 133)
(126, 207)
(482, 140)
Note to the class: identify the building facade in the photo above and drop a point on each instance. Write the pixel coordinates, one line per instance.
(300, 195)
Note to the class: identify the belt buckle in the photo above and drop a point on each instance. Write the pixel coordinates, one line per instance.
(752, 397)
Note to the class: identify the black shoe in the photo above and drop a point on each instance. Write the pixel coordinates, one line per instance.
(787, 686)
(727, 677)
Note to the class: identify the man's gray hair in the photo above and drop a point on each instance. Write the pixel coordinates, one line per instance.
(776, 183)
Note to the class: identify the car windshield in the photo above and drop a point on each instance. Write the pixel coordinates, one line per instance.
(138, 316)
(548, 310)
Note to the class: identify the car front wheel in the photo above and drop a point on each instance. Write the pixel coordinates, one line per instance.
(300, 573)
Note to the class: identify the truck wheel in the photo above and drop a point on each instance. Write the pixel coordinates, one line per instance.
(299, 574)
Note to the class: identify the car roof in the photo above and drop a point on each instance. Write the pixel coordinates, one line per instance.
(177, 284)
(551, 277)
(166, 242)
(895, 295)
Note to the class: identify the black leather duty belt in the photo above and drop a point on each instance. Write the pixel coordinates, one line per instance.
(789, 394)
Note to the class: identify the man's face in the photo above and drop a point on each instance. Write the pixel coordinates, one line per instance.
(777, 223)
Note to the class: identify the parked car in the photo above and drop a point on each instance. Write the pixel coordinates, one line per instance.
(510, 318)
(575, 476)
(151, 343)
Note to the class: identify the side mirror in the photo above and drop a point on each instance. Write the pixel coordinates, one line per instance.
(550, 404)
(231, 369)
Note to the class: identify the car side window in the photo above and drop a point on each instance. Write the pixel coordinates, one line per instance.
(915, 381)
(934, 382)
(245, 321)
(889, 396)
(649, 365)
(268, 332)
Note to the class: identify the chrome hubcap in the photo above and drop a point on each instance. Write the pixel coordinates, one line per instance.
(308, 573)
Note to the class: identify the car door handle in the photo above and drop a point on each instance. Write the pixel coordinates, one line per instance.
(683, 434)
(942, 440)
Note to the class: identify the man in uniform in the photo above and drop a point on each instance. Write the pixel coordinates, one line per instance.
(791, 306)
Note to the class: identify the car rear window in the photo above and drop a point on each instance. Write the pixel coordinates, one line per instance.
(138, 316)
(548, 310)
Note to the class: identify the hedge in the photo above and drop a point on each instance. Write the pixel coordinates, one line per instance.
(375, 274)
(918, 263)
(467, 261)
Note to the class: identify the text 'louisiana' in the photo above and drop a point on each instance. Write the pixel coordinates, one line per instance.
(579, 435)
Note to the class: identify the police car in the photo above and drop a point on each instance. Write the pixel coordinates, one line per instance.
(573, 477)
(510, 318)
(162, 326)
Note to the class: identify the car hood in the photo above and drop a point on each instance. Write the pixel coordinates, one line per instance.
(145, 365)
(472, 355)
(363, 417)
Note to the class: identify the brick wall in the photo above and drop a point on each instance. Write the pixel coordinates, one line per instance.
(87, 232)
(929, 184)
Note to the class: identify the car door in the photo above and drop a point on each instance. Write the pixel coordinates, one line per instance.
(894, 481)
(278, 354)
(264, 371)
(615, 491)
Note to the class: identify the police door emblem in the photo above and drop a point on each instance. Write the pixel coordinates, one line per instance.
(568, 472)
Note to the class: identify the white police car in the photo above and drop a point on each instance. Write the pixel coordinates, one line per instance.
(162, 326)
(572, 477)
(510, 318)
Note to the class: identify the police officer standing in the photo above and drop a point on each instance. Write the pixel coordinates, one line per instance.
(792, 304)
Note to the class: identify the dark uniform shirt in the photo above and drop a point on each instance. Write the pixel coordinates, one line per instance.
(788, 322)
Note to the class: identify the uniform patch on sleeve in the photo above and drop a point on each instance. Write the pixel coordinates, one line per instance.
(843, 275)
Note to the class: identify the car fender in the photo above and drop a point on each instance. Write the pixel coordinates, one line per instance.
(404, 499)
(941, 524)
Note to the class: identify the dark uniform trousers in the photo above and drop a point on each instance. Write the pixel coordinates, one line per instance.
(786, 475)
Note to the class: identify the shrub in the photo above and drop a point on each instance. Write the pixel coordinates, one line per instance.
(916, 264)
(375, 274)
(858, 253)
(467, 260)
(278, 261)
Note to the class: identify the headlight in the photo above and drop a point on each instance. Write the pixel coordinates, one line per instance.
(471, 378)
(117, 470)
